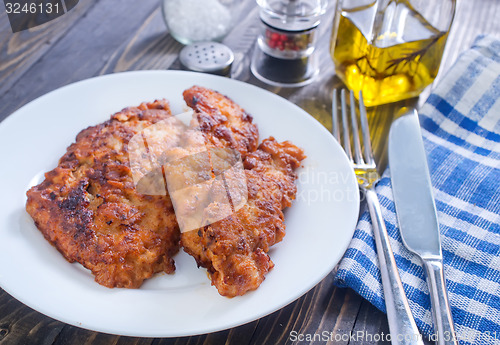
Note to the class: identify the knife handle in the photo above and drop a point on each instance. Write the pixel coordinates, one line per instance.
(441, 312)
(402, 325)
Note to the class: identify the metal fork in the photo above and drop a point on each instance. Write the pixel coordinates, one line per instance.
(401, 323)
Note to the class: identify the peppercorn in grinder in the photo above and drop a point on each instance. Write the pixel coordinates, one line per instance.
(284, 52)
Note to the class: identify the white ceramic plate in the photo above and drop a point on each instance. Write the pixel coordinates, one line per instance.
(320, 223)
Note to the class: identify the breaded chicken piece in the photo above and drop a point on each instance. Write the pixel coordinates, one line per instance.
(89, 209)
(224, 123)
(234, 250)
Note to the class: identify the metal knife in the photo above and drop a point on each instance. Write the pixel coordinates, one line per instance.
(417, 216)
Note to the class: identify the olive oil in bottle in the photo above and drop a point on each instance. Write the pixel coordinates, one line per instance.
(389, 55)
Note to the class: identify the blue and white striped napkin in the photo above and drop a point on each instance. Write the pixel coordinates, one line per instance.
(461, 129)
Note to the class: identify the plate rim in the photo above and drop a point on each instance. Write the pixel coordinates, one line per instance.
(307, 287)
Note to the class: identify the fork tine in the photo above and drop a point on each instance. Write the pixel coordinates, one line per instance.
(335, 117)
(358, 156)
(345, 125)
(365, 131)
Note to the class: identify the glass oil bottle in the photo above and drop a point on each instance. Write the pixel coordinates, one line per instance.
(389, 49)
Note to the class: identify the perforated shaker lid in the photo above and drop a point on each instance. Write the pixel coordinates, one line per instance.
(208, 57)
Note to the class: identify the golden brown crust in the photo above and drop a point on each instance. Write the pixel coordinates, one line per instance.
(224, 122)
(88, 207)
(234, 249)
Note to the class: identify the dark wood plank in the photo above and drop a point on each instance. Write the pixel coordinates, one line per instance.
(237, 335)
(371, 326)
(316, 99)
(321, 313)
(243, 334)
(20, 324)
(114, 44)
(242, 41)
(212, 338)
(74, 335)
(82, 53)
(150, 47)
(19, 51)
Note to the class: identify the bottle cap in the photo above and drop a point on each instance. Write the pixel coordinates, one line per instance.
(292, 15)
(207, 57)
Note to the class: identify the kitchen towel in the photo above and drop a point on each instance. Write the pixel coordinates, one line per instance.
(460, 124)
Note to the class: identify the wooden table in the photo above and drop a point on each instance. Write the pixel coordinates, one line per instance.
(102, 37)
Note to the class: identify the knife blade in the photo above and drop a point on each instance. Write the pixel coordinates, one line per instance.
(417, 216)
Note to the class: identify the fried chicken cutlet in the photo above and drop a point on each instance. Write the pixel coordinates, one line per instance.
(234, 249)
(89, 209)
(223, 122)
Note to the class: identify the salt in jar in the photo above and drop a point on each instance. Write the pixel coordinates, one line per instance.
(191, 21)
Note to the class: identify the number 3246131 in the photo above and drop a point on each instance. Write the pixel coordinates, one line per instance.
(18, 8)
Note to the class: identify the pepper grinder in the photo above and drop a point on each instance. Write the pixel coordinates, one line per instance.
(284, 53)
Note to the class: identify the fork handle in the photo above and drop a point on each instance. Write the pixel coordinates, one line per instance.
(402, 325)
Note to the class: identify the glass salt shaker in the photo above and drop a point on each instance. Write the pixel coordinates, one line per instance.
(284, 53)
(191, 21)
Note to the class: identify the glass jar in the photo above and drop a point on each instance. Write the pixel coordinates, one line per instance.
(389, 49)
(286, 43)
(191, 21)
(289, 26)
